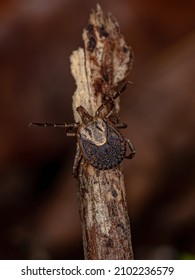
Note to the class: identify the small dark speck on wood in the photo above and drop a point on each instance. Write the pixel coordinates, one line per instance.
(98, 69)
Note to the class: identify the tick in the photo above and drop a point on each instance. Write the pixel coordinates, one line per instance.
(99, 140)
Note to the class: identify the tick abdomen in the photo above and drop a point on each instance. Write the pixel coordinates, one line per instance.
(107, 155)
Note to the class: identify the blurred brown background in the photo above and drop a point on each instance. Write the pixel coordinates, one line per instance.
(38, 204)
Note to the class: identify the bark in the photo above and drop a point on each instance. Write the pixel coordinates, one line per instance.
(98, 69)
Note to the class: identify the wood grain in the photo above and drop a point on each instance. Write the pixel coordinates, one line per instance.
(98, 69)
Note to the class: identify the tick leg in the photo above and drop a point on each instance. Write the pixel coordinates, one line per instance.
(63, 125)
(116, 121)
(121, 125)
(69, 126)
(111, 112)
(118, 93)
(77, 160)
(104, 105)
(132, 149)
(69, 132)
(110, 101)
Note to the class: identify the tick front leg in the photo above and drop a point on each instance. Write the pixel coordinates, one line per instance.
(63, 125)
(118, 93)
(132, 149)
(77, 160)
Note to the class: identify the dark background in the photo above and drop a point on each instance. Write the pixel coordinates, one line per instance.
(38, 204)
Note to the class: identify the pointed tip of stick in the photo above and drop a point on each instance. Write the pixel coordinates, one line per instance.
(98, 7)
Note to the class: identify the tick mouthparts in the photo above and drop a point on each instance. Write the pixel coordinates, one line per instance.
(85, 116)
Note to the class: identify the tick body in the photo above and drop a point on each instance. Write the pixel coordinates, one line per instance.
(101, 144)
(99, 140)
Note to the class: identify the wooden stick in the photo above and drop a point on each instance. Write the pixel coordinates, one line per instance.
(98, 68)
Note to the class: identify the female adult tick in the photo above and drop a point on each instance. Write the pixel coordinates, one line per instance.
(99, 140)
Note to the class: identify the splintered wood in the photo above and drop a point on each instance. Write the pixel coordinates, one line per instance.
(98, 69)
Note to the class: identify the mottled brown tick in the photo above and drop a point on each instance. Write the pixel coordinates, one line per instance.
(99, 140)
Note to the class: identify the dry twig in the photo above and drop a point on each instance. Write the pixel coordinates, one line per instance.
(98, 69)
